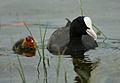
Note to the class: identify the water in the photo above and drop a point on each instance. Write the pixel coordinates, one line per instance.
(104, 13)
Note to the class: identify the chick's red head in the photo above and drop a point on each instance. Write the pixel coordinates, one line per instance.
(29, 39)
(29, 42)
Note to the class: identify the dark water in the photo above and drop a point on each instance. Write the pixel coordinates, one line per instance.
(100, 65)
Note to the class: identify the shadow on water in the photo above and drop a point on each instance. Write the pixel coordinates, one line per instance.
(83, 68)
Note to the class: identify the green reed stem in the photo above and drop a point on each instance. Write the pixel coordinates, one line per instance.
(42, 37)
(22, 78)
(81, 12)
(81, 8)
(44, 65)
(28, 29)
(38, 53)
(20, 69)
(21, 72)
(105, 37)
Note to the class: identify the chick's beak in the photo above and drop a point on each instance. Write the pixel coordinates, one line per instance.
(92, 33)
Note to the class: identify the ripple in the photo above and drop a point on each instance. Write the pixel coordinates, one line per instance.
(5, 51)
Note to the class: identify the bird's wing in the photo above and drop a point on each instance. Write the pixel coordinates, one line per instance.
(58, 40)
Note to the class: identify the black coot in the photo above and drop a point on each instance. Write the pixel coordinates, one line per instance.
(73, 39)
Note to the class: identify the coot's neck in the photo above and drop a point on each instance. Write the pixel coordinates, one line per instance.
(74, 35)
(76, 46)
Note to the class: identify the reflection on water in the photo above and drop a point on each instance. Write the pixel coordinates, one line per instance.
(83, 68)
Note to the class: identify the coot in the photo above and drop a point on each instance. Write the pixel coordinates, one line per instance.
(73, 39)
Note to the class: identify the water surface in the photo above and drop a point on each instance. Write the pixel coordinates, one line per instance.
(104, 13)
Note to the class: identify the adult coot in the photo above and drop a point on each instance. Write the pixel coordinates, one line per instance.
(74, 39)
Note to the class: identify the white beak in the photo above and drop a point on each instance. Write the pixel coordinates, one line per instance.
(90, 31)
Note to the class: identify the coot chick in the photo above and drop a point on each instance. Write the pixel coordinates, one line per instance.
(26, 46)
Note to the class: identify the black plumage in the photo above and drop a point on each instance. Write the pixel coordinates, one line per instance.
(73, 40)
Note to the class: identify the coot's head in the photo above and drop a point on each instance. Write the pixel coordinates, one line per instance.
(82, 26)
(29, 42)
(29, 39)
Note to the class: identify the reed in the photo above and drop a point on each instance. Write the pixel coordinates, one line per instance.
(20, 70)
(81, 8)
(41, 54)
(42, 38)
(98, 31)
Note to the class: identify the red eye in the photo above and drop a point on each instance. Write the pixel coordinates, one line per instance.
(29, 39)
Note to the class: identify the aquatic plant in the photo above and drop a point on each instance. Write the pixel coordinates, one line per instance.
(42, 38)
(43, 58)
(98, 31)
(41, 54)
(81, 8)
(20, 70)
